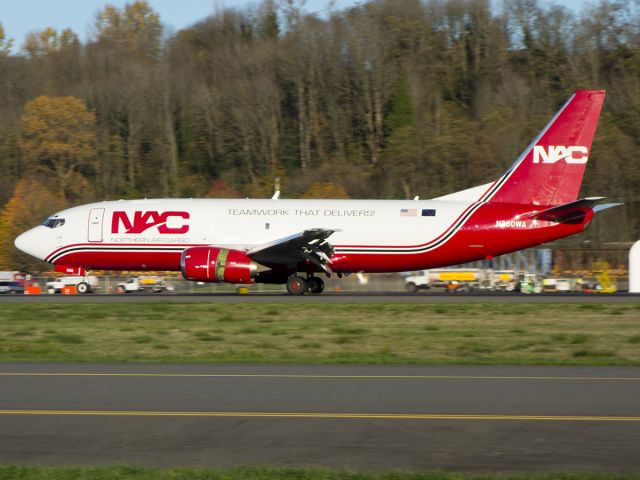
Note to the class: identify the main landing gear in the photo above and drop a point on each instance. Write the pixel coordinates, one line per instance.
(299, 286)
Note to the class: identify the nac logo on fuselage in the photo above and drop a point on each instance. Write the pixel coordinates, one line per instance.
(573, 155)
(167, 222)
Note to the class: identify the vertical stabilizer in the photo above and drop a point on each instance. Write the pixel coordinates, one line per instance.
(550, 170)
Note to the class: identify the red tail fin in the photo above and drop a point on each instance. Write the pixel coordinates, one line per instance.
(550, 170)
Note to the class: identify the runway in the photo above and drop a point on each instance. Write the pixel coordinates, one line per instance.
(362, 417)
(347, 297)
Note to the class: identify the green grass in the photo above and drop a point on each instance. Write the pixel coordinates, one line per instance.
(518, 334)
(139, 473)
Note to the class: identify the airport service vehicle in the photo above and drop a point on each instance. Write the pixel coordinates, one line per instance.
(528, 283)
(82, 283)
(295, 242)
(14, 276)
(441, 278)
(11, 287)
(462, 279)
(144, 284)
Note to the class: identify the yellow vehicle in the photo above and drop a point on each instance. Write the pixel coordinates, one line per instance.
(144, 284)
(605, 283)
(462, 280)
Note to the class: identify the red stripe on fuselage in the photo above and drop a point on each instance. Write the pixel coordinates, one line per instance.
(94, 245)
(122, 260)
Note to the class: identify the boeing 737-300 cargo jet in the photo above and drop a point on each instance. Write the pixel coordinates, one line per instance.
(295, 242)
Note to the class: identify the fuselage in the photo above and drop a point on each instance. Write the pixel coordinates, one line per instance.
(371, 235)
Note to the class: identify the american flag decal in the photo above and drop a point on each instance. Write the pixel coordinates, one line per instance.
(408, 212)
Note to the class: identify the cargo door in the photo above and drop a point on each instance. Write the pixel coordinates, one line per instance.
(96, 216)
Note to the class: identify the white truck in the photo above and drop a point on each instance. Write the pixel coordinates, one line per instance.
(144, 284)
(83, 285)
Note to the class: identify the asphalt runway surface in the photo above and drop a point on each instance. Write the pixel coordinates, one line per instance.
(362, 417)
(346, 297)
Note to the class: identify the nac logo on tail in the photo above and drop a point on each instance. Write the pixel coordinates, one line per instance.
(167, 222)
(574, 155)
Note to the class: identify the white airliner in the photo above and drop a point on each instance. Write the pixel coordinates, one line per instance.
(295, 242)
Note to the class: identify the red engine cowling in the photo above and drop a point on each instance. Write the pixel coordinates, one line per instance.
(210, 264)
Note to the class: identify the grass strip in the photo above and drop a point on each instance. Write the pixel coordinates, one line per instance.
(393, 333)
(140, 473)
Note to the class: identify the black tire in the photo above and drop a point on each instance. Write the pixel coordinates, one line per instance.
(82, 288)
(411, 287)
(316, 285)
(296, 285)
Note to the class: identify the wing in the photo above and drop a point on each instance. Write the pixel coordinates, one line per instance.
(309, 245)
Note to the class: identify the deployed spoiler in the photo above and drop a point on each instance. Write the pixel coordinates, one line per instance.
(572, 211)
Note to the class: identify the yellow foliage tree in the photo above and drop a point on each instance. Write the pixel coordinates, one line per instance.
(46, 41)
(59, 139)
(30, 204)
(325, 190)
(136, 26)
(5, 43)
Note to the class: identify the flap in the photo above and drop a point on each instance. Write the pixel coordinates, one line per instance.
(307, 245)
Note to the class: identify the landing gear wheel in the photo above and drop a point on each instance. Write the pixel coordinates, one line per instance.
(296, 285)
(82, 287)
(316, 285)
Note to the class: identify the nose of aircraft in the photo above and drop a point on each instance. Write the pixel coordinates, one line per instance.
(33, 242)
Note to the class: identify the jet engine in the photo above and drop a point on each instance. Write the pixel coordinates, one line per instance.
(211, 264)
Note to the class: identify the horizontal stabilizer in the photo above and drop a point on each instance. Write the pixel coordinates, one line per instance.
(604, 206)
(568, 212)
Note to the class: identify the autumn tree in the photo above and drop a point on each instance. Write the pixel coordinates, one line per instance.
(136, 27)
(221, 189)
(134, 101)
(325, 190)
(59, 139)
(5, 43)
(47, 41)
(30, 203)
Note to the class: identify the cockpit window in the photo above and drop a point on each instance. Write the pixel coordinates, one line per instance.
(53, 222)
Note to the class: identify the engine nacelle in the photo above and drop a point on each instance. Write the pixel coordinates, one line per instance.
(210, 264)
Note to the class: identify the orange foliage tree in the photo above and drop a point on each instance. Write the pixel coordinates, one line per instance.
(31, 203)
(221, 189)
